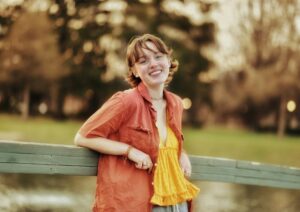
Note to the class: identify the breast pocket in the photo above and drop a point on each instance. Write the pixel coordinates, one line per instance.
(139, 137)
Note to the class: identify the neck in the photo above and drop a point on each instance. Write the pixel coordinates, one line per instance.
(156, 93)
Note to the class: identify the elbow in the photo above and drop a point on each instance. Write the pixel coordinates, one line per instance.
(78, 139)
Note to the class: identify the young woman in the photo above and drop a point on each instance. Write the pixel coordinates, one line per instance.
(138, 131)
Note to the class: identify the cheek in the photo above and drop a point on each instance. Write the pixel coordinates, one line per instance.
(165, 65)
(139, 69)
(142, 72)
(142, 69)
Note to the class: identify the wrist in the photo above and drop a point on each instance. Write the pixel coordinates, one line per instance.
(126, 154)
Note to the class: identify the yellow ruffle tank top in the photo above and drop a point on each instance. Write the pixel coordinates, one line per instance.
(170, 185)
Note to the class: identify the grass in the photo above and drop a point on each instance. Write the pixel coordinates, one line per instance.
(39, 129)
(214, 141)
(243, 145)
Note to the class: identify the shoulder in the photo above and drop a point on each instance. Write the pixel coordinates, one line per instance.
(174, 99)
(124, 95)
(129, 98)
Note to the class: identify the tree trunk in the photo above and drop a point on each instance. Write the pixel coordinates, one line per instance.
(282, 117)
(193, 113)
(57, 101)
(26, 102)
(54, 92)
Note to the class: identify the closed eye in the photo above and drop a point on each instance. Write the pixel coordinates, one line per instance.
(158, 56)
(142, 61)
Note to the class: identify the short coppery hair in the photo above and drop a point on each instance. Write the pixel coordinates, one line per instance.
(134, 51)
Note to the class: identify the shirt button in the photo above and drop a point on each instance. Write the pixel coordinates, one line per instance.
(155, 164)
(152, 183)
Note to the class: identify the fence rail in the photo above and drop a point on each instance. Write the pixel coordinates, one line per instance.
(37, 158)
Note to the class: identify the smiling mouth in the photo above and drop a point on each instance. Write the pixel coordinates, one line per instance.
(156, 72)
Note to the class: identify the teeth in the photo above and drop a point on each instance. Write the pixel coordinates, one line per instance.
(155, 72)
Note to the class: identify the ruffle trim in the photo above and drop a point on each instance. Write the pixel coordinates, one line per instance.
(174, 198)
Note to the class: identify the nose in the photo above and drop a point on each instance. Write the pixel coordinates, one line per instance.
(153, 62)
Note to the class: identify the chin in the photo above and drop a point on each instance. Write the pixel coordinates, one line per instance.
(157, 83)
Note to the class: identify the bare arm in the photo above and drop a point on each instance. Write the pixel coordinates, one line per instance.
(101, 145)
(110, 147)
(185, 164)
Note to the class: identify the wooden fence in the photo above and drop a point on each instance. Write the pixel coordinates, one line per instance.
(36, 158)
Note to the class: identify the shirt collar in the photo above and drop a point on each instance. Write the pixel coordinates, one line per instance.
(144, 91)
(145, 94)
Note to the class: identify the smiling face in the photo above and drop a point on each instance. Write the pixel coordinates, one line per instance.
(152, 66)
(149, 60)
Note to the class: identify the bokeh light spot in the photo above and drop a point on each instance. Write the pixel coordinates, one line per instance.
(187, 103)
(291, 106)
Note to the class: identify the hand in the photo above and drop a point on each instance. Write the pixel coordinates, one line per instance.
(185, 164)
(142, 160)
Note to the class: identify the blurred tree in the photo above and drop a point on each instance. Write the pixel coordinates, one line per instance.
(94, 36)
(268, 43)
(175, 23)
(86, 41)
(31, 59)
(7, 16)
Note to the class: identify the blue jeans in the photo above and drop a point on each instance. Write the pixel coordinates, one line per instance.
(180, 207)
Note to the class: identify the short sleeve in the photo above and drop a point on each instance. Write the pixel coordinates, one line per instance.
(105, 120)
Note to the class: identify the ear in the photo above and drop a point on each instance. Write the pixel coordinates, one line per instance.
(134, 72)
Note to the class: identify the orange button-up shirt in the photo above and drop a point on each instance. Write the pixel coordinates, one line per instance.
(129, 117)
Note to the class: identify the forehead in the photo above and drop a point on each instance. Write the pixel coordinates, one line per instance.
(147, 47)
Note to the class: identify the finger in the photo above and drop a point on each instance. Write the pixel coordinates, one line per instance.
(187, 173)
(146, 164)
(150, 168)
(144, 167)
(183, 170)
(139, 165)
